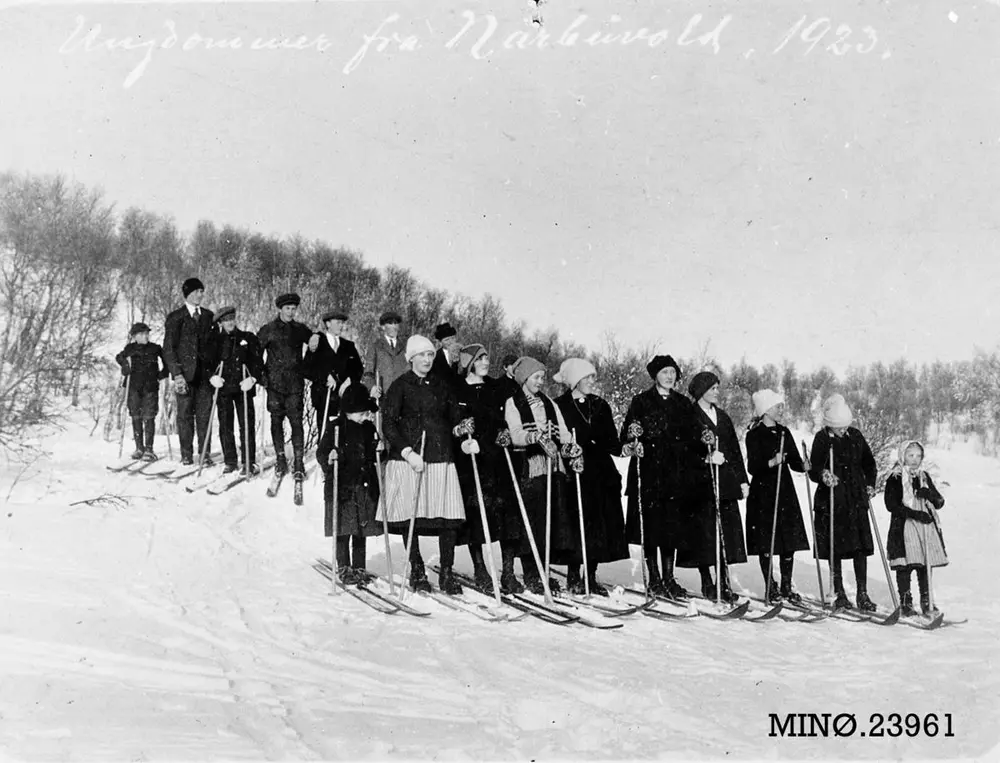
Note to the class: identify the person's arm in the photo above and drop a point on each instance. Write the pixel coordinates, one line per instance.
(932, 496)
(171, 339)
(519, 436)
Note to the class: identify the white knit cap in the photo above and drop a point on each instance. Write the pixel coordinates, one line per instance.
(573, 370)
(765, 400)
(836, 412)
(417, 344)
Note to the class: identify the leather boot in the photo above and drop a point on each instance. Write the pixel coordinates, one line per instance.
(484, 582)
(532, 580)
(418, 577)
(574, 583)
(509, 584)
(448, 583)
(596, 589)
(673, 589)
(137, 437)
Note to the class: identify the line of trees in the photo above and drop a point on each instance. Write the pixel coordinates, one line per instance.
(74, 275)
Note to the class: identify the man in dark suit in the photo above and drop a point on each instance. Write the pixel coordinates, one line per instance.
(446, 360)
(506, 385)
(332, 367)
(385, 360)
(186, 349)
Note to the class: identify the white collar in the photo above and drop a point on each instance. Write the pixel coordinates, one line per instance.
(192, 309)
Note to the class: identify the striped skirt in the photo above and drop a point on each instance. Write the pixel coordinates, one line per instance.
(440, 507)
(915, 536)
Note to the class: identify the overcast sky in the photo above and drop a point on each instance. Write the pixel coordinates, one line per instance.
(803, 204)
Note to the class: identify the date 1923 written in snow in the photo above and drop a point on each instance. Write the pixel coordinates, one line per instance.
(811, 725)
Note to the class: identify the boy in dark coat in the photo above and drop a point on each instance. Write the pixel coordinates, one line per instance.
(357, 482)
(142, 360)
(282, 341)
(239, 353)
(186, 339)
(332, 367)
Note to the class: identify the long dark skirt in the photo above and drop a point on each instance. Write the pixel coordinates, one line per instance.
(502, 512)
(603, 521)
(565, 532)
(700, 534)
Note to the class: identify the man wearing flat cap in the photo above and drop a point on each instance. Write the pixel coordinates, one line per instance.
(282, 342)
(186, 347)
(239, 353)
(332, 367)
(385, 360)
(446, 359)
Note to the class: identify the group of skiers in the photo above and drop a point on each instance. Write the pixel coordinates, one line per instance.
(459, 446)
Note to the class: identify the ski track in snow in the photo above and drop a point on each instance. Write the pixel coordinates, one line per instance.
(187, 626)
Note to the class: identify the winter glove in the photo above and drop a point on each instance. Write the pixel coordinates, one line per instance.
(919, 516)
(126, 370)
(549, 446)
(634, 430)
(503, 438)
(344, 385)
(634, 449)
(180, 385)
(830, 479)
(576, 464)
(571, 450)
(415, 460)
(247, 384)
(216, 381)
(464, 427)
(333, 456)
(716, 457)
(470, 447)
(708, 437)
(872, 490)
(923, 492)
(313, 342)
(779, 458)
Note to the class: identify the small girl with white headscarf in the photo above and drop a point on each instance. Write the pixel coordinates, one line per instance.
(914, 541)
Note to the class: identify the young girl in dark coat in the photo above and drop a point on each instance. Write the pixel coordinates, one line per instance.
(479, 399)
(767, 465)
(722, 449)
(915, 541)
(660, 438)
(357, 482)
(143, 361)
(590, 418)
(853, 482)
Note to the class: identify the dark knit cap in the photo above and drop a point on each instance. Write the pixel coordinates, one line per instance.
(444, 331)
(288, 299)
(331, 315)
(660, 362)
(190, 285)
(357, 398)
(390, 316)
(138, 328)
(225, 312)
(508, 360)
(701, 383)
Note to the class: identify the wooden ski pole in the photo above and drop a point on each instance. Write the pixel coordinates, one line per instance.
(245, 434)
(527, 527)
(124, 416)
(486, 527)
(413, 519)
(583, 534)
(642, 521)
(208, 429)
(548, 512)
(832, 478)
(774, 519)
(885, 561)
(720, 552)
(812, 526)
(381, 497)
(336, 505)
(166, 420)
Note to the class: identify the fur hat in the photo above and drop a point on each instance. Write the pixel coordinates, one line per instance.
(469, 355)
(356, 399)
(138, 328)
(444, 331)
(417, 344)
(334, 315)
(764, 400)
(525, 367)
(288, 299)
(836, 412)
(660, 362)
(390, 316)
(701, 383)
(225, 312)
(573, 370)
(190, 285)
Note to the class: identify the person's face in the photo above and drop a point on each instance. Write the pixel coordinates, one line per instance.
(838, 431)
(451, 344)
(422, 362)
(913, 457)
(587, 385)
(196, 297)
(335, 326)
(142, 337)
(481, 365)
(666, 378)
(509, 370)
(712, 396)
(391, 330)
(287, 313)
(776, 413)
(228, 324)
(534, 382)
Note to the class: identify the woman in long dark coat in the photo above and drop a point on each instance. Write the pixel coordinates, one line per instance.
(853, 482)
(766, 460)
(658, 433)
(419, 403)
(350, 440)
(589, 418)
(480, 399)
(538, 428)
(701, 528)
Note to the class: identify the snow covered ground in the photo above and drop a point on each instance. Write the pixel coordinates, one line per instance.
(191, 627)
